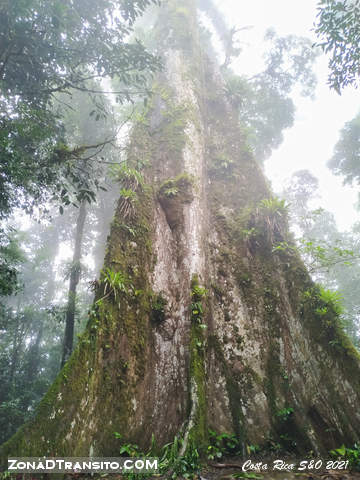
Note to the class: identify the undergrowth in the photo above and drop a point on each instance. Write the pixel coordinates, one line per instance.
(190, 464)
(351, 454)
(170, 461)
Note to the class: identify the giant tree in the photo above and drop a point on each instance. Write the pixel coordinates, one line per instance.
(198, 320)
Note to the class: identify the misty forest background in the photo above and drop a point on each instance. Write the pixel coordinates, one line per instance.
(74, 78)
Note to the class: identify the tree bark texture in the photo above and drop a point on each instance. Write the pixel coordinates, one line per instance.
(260, 353)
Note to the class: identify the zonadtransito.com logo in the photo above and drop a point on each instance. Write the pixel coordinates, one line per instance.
(82, 465)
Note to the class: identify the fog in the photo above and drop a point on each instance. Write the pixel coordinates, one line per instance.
(139, 230)
(309, 143)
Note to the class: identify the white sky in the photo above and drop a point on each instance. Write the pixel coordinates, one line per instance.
(309, 144)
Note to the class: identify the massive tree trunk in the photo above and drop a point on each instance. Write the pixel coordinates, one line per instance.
(163, 356)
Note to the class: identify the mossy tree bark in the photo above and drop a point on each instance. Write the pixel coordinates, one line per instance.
(218, 325)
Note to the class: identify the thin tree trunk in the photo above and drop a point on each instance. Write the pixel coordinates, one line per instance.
(18, 341)
(32, 367)
(74, 280)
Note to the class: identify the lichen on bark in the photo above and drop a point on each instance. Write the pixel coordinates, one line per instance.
(261, 345)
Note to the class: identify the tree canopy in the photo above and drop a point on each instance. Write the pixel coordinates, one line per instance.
(264, 101)
(338, 30)
(330, 255)
(48, 47)
(346, 158)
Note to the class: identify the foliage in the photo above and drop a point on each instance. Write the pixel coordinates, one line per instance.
(339, 35)
(331, 298)
(27, 369)
(185, 465)
(127, 449)
(179, 185)
(48, 48)
(263, 101)
(37, 33)
(127, 202)
(324, 307)
(196, 310)
(10, 257)
(171, 463)
(131, 231)
(197, 295)
(274, 206)
(198, 292)
(288, 63)
(284, 247)
(264, 111)
(31, 323)
(322, 255)
(158, 307)
(128, 177)
(346, 158)
(114, 284)
(327, 301)
(351, 454)
(286, 431)
(301, 189)
(62, 174)
(131, 181)
(269, 217)
(249, 233)
(331, 256)
(222, 444)
(171, 191)
(285, 413)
